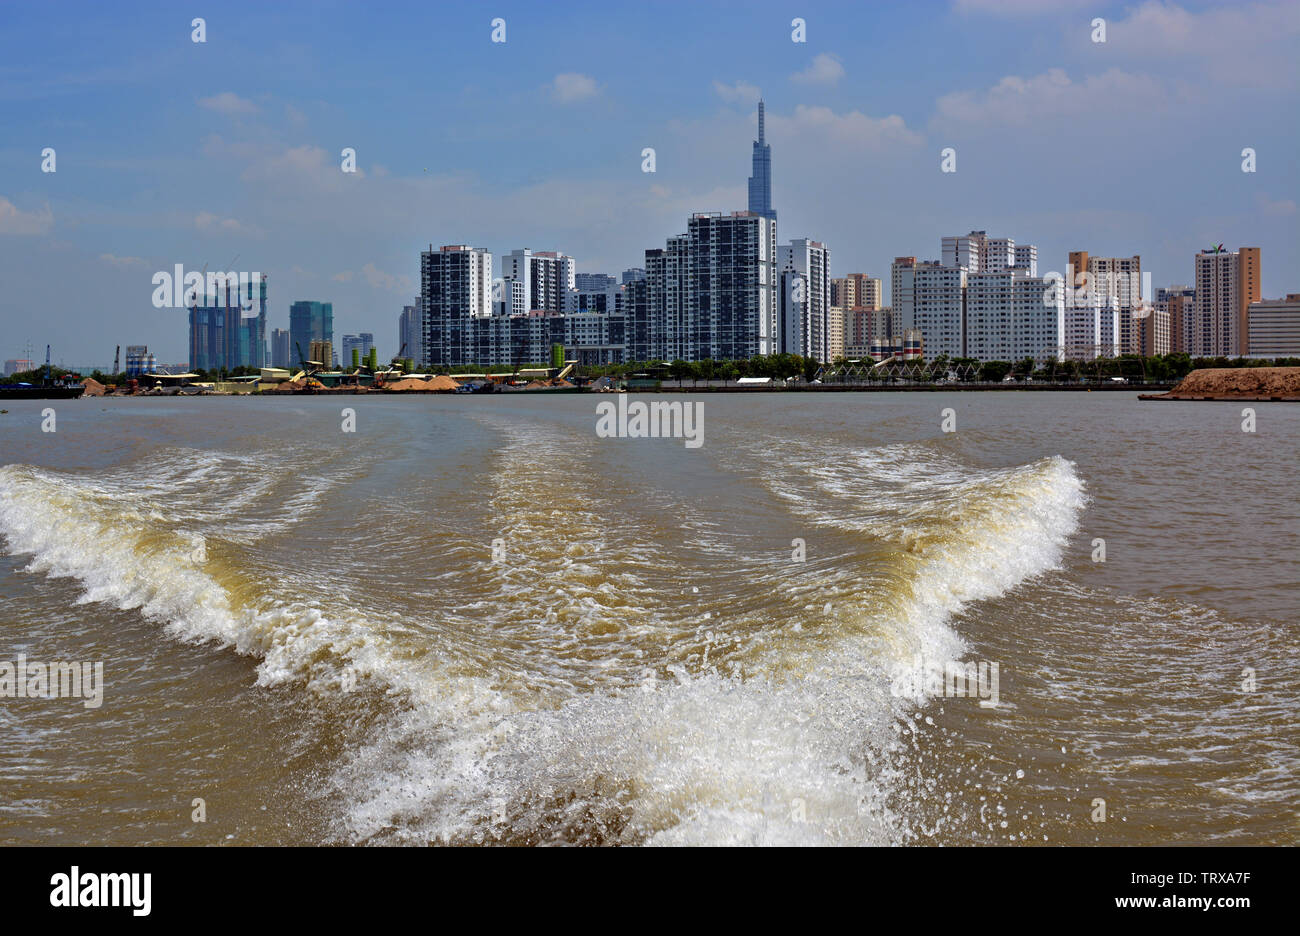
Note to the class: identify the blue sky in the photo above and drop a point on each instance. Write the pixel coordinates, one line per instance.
(169, 151)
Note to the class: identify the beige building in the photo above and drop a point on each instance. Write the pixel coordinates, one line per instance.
(835, 318)
(1180, 303)
(1151, 331)
(1118, 277)
(857, 291)
(1227, 282)
(1273, 327)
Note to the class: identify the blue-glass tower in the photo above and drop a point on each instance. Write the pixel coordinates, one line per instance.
(760, 183)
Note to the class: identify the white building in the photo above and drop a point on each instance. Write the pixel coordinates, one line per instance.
(805, 294)
(1011, 315)
(1274, 327)
(547, 277)
(930, 297)
(976, 252)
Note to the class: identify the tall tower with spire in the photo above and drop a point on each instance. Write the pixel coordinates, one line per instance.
(760, 183)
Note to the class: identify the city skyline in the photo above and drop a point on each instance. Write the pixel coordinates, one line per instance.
(253, 172)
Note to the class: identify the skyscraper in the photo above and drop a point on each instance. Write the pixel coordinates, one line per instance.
(229, 331)
(280, 354)
(410, 344)
(308, 322)
(805, 296)
(455, 289)
(760, 183)
(1227, 282)
(547, 275)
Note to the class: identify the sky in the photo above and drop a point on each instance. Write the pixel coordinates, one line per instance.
(228, 153)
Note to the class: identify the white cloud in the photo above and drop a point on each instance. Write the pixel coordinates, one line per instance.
(206, 221)
(344, 277)
(121, 262)
(1051, 97)
(572, 86)
(227, 102)
(742, 92)
(1018, 7)
(1281, 208)
(813, 127)
(381, 280)
(13, 221)
(1245, 44)
(824, 69)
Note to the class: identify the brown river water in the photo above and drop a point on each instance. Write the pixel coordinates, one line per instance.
(476, 620)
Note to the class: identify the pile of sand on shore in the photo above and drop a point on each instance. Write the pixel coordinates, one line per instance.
(439, 384)
(1236, 383)
(93, 387)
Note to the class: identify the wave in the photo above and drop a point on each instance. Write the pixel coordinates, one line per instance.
(620, 713)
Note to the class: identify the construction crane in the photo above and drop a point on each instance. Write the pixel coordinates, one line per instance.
(116, 359)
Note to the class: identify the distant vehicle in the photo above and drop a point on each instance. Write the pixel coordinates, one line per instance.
(1119, 380)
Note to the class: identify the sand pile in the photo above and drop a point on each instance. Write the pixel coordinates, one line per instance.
(1238, 383)
(439, 384)
(93, 387)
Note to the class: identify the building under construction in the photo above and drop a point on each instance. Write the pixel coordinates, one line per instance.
(229, 330)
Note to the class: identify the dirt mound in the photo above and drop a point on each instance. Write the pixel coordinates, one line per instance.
(1238, 383)
(439, 384)
(93, 387)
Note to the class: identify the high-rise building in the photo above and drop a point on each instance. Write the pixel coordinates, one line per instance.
(409, 342)
(1025, 257)
(280, 353)
(1179, 302)
(361, 343)
(229, 329)
(632, 274)
(804, 267)
(593, 282)
(710, 293)
(760, 182)
(1118, 277)
(455, 290)
(857, 291)
(931, 297)
(1273, 327)
(1227, 282)
(547, 277)
(976, 252)
(1151, 330)
(598, 299)
(1009, 316)
(310, 321)
(836, 332)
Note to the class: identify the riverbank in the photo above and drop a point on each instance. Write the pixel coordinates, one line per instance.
(1249, 384)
